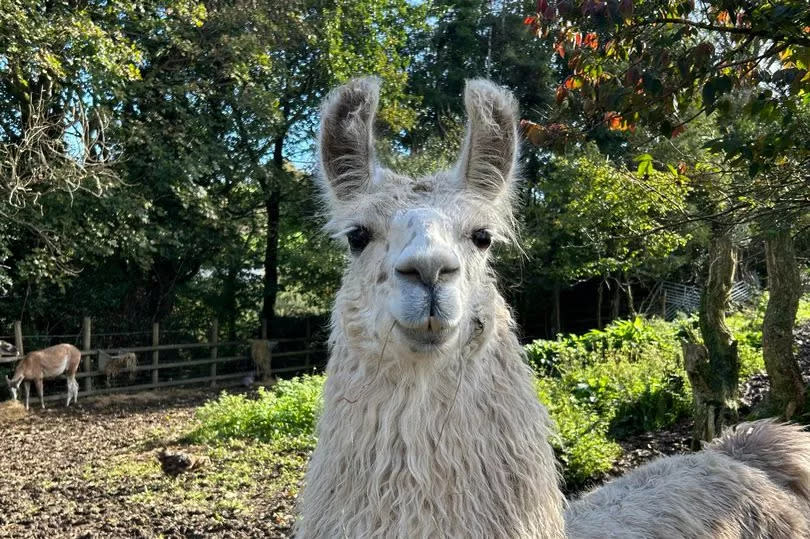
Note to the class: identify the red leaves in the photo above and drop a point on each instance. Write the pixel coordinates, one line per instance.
(591, 40)
(616, 122)
(573, 82)
(555, 135)
(677, 130)
(547, 11)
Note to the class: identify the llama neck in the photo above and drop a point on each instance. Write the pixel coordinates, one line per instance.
(460, 452)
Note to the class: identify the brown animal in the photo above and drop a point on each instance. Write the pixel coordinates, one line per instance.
(47, 363)
(260, 352)
(116, 364)
(174, 463)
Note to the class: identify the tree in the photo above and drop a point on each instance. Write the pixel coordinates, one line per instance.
(659, 66)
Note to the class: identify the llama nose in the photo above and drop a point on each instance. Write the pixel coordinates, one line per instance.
(428, 268)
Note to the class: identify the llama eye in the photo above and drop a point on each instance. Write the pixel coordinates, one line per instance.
(358, 239)
(482, 238)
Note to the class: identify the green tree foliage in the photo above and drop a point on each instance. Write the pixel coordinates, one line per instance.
(209, 108)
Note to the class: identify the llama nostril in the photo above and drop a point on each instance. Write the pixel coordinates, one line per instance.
(429, 268)
(409, 273)
(449, 271)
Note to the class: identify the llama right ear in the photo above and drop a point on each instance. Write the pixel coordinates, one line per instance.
(346, 138)
(487, 160)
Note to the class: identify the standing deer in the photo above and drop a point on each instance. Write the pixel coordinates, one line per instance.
(47, 363)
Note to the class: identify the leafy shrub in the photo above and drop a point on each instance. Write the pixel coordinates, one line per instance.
(287, 410)
(582, 445)
(608, 384)
(626, 336)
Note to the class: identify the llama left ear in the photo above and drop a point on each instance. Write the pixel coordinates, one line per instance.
(487, 160)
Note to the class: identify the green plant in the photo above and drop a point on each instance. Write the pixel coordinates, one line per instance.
(288, 410)
(608, 384)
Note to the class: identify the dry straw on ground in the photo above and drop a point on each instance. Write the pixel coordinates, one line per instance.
(11, 410)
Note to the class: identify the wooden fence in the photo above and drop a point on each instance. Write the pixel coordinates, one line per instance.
(229, 363)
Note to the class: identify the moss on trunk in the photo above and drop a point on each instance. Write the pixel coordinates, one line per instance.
(784, 284)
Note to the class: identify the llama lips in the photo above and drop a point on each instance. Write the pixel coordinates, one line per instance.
(427, 337)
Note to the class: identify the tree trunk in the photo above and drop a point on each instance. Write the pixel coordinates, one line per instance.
(229, 306)
(628, 290)
(599, 298)
(784, 285)
(273, 213)
(272, 206)
(616, 302)
(557, 322)
(714, 372)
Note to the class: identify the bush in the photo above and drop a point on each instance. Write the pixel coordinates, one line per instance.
(287, 410)
(606, 385)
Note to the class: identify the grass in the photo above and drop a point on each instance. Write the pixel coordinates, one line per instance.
(240, 479)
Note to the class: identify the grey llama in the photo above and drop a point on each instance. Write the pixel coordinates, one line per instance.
(431, 426)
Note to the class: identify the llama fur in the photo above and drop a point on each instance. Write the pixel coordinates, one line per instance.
(115, 365)
(431, 425)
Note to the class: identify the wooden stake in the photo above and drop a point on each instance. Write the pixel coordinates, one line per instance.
(18, 341)
(155, 353)
(87, 360)
(214, 340)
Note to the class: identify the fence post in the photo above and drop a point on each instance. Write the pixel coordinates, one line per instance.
(155, 353)
(264, 329)
(86, 362)
(214, 339)
(18, 342)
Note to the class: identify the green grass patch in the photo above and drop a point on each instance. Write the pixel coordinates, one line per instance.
(239, 479)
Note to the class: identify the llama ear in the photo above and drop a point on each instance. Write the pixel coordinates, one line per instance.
(346, 138)
(490, 149)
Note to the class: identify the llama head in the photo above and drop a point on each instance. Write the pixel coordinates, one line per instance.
(418, 282)
(13, 386)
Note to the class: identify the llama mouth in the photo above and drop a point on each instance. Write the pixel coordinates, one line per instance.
(426, 337)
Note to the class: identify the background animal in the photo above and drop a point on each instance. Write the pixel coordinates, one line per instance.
(114, 365)
(7, 349)
(47, 363)
(431, 426)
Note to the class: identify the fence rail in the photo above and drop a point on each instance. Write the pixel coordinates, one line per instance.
(667, 299)
(228, 362)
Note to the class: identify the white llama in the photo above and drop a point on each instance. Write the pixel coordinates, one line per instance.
(431, 425)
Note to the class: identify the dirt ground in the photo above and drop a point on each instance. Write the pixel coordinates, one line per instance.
(91, 471)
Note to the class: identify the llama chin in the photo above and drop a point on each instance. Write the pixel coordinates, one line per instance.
(431, 425)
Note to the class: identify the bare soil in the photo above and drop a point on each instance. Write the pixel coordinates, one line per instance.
(90, 471)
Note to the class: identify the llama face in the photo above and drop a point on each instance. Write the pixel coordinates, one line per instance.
(418, 282)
